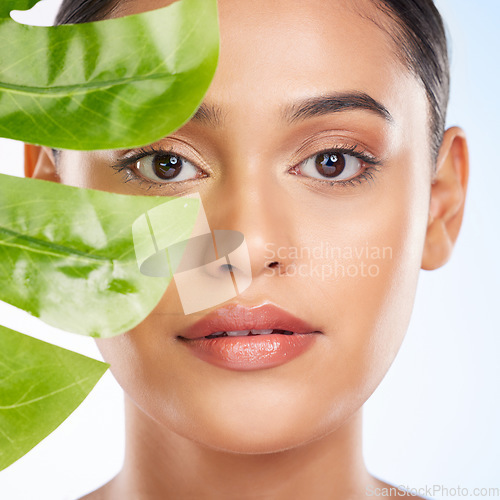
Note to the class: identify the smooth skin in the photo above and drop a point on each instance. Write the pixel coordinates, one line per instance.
(197, 431)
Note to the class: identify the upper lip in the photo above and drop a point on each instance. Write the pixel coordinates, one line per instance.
(236, 317)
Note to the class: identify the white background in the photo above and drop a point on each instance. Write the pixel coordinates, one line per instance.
(434, 419)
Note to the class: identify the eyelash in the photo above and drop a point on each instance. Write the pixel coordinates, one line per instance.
(125, 166)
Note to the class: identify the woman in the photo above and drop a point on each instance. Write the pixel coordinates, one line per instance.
(321, 140)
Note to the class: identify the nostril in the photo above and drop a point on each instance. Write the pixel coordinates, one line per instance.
(227, 267)
(273, 264)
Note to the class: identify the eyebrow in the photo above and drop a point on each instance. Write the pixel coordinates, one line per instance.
(209, 114)
(212, 115)
(335, 103)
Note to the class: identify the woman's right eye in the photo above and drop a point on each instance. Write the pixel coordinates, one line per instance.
(164, 168)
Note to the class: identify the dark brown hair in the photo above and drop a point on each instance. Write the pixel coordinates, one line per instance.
(84, 11)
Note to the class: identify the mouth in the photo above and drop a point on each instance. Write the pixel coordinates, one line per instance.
(241, 338)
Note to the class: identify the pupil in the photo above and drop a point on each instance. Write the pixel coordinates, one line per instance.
(167, 166)
(330, 164)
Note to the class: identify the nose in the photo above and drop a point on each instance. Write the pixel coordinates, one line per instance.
(260, 209)
(246, 229)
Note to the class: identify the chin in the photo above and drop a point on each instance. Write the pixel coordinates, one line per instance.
(256, 438)
(261, 421)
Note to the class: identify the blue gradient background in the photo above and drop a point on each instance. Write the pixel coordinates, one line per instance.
(434, 420)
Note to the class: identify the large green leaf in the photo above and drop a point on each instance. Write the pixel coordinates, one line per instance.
(117, 83)
(40, 386)
(67, 254)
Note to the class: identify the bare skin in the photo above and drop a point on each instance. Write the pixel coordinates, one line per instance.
(293, 431)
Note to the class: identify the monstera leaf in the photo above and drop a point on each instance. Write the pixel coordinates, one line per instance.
(40, 386)
(117, 83)
(69, 257)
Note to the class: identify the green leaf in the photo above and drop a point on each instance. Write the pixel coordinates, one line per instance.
(40, 386)
(117, 83)
(67, 254)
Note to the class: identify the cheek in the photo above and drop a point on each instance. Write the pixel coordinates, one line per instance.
(369, 251)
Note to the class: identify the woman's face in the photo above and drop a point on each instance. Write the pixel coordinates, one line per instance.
(301, 88)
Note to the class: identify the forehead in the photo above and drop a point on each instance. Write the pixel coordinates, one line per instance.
(274, 52)
(295, 32)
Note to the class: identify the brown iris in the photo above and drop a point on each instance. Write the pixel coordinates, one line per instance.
(167, 166)
(330, 164)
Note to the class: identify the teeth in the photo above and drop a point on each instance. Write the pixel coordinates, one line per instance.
(243, 333)
(238, 333)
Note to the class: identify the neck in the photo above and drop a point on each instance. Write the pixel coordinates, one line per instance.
(161, 464)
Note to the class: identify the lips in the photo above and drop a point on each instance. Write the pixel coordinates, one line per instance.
(237, 318)
(242, 338)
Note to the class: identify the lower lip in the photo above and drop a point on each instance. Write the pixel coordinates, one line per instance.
(253, 352)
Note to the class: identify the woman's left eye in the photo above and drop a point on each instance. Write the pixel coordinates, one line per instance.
(331, 165)
(166, 167)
